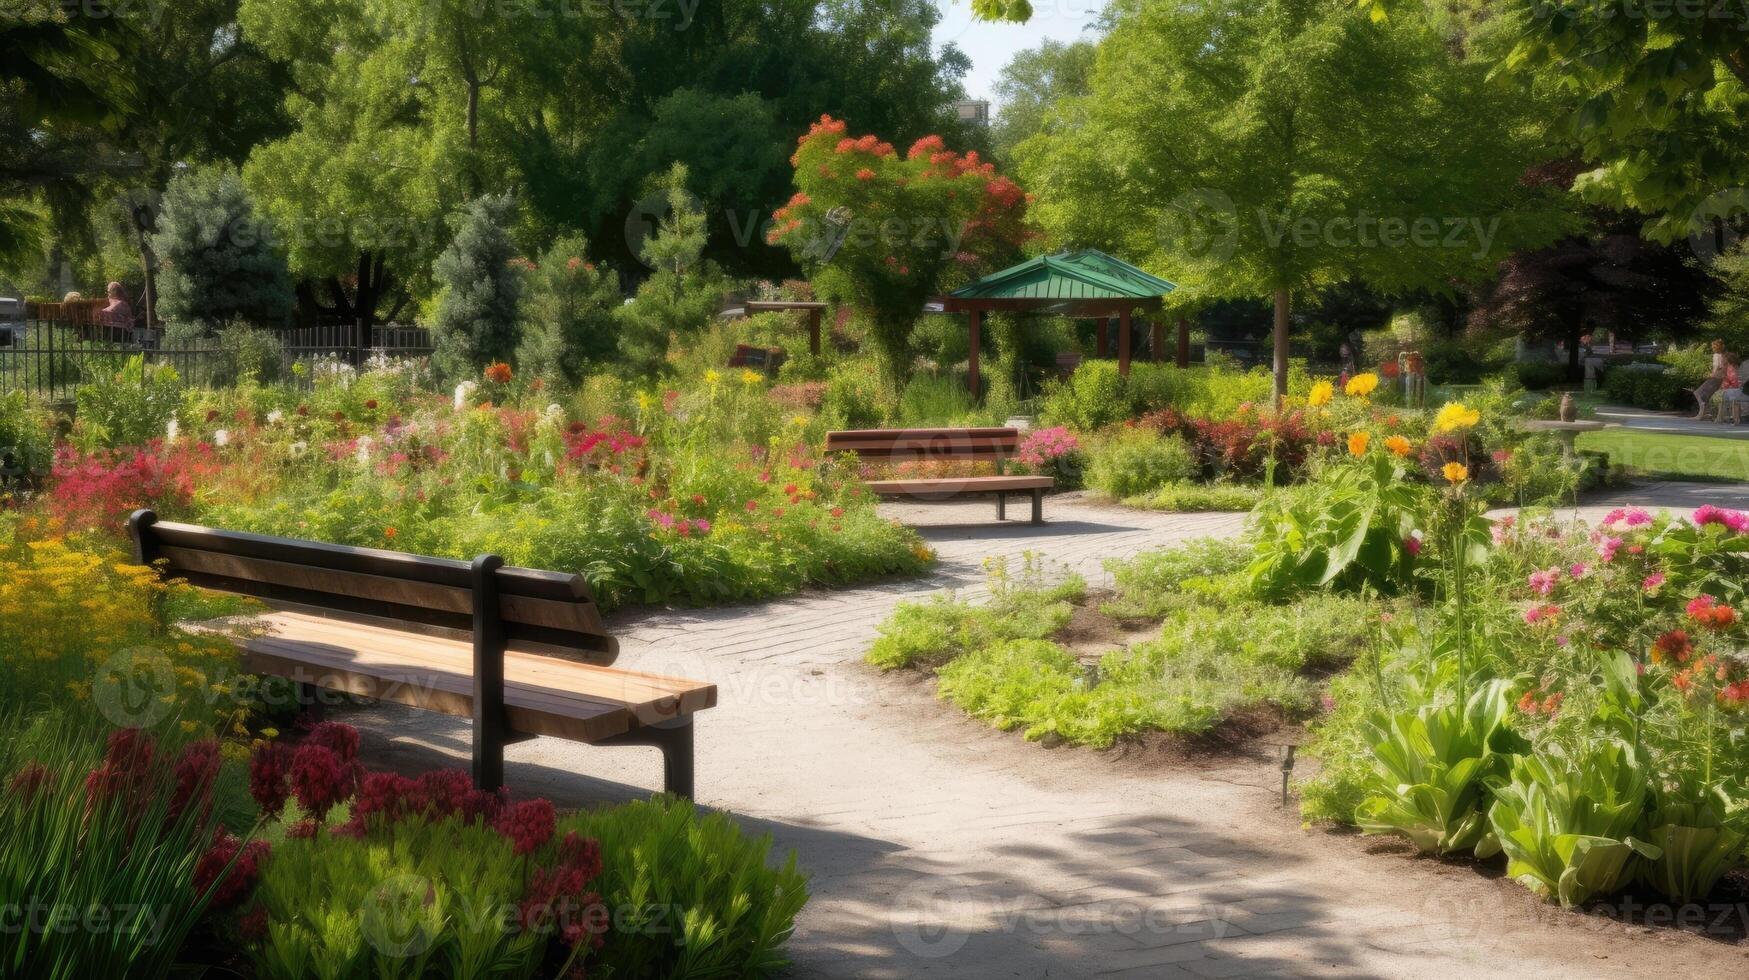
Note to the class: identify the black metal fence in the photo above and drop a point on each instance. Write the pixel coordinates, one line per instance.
(53, 359)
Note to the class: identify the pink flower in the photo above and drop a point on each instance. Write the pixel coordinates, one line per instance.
(1412, 545)
(1543, 582)
(1624, 518)
(1578, 570)
(1541, 614)
(1607, 549)
(1652, 581)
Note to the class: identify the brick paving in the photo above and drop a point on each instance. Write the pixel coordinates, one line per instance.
(941, 848)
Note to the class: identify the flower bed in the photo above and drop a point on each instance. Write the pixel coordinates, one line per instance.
(706, 496)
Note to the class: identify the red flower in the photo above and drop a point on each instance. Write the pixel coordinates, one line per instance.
(229, 869)
(1674, 646)
(196, 771)
(1706, 611)
(320, 779)
(340, 739)
(498, 373)
(126, 768)
(528, 825)
(28, 781)
(269, 771)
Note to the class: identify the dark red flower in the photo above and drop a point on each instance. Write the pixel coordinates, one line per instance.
(340, 739)
(269, 774)
(320, 779)
(30, 780)
(528, 825)
(230, 869)
(197, 769)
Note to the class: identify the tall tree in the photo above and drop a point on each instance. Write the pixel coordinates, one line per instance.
(1272, 149)
(479, 310)
(1662, 100)
(1032, 84)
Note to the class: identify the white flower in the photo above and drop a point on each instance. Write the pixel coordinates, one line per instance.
(463, 392)
(555, 410)
(274, 417)
(173, 431)
(297, 448)
(364, 445)
(221, 438)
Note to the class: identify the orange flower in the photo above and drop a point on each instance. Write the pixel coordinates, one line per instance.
(1357, 443)
(498, 372)
(1399, 445)
(389, 533)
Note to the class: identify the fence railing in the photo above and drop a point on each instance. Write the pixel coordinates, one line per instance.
(53, 359)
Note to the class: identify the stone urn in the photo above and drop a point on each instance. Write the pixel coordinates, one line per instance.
(1569, 408)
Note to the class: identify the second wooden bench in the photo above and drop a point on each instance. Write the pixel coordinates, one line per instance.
(930, 445)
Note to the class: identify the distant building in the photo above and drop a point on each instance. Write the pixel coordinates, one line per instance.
(976, 111)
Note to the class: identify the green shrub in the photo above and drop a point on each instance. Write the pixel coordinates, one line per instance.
(691, 895)
(27, 435)
(127, 408)
(1154, 583)
(1184, 497)
(1137, 461)
(930, 400)
(928, 633)
(1537, 375)
(855, 397)
(1655, 390)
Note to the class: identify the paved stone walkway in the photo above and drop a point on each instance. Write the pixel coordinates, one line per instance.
(941, 848)
(1675, 423)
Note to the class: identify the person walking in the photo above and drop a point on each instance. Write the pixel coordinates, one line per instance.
(1715, 379)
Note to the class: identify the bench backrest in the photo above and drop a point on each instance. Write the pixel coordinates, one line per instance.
(538, 610)
(922, 445)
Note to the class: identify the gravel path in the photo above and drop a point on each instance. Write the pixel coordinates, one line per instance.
(941, 848)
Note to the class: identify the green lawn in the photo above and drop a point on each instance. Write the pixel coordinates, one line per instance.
(1674, 456)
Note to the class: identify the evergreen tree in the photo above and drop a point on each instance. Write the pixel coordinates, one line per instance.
(568, 316)
(684, 292)
(478, 312)
(217, 255)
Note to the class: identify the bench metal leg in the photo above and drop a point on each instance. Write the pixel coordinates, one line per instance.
(1038, 506)
(1001, 505)
(674, 738)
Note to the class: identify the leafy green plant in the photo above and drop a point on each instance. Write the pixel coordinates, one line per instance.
(127, 408)
(1431, 770)
(1697, 842)
(1137, 461)
(1566, 820)
(691, 895)
(1189, 498)
(98, 849)
(1350, 529)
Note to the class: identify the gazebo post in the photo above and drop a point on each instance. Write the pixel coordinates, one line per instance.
(974, 320)
(1123, 342)
(814, 332)
(1157, 340)
(1183, 342)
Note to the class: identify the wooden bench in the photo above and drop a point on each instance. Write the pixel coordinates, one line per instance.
(464, 639)
(931, 445)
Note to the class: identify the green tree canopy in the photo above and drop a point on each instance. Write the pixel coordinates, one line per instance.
(1032, 84)
(1270, 149)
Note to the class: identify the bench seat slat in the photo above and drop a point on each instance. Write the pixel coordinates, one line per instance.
(958, 485)
(543, 695)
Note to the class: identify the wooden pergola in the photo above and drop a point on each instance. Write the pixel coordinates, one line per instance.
(1081, 284)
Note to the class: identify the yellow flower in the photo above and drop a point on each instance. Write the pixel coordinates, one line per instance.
(751, 377)
(1321, 394)
(1399, 445)
(645, 400)
(711, 377)
(1361, 385)
(1357, 443)
(1455, 416)
(1455, 472)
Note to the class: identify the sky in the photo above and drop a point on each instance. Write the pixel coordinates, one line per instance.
(990, 45)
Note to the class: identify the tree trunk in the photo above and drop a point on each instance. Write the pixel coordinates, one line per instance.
(143, 226)
(1283, 303)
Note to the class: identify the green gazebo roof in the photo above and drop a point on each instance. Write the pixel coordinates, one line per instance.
(1088, 274)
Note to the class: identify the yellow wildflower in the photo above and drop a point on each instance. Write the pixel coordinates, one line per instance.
(751, 377)
(1361, 385)
(1321, 394)
(1455, 416)
(1455, 472)
(712, 376)
(1357, 443)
